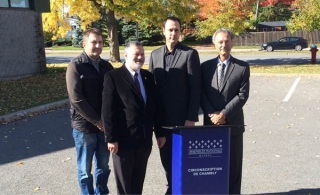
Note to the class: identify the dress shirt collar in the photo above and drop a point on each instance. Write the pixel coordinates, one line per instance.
(166, 52)
(132, 72)
(92, 61)
(226, 62)
(95, 63)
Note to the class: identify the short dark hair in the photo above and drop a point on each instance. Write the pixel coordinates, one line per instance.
(171, 18)
(131, 43)
(89, 31)
(225, 30)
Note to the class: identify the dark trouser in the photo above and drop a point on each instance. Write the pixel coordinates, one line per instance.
(236, 152)
(166, 160)
(130, 169)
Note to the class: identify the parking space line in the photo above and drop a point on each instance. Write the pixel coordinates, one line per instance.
(293, 87)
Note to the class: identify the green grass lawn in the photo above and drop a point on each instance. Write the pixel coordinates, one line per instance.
(45, 88)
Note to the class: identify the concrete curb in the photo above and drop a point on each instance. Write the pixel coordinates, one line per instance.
(31, 111)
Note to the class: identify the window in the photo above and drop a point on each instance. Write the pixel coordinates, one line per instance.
(4, 3)
(15, 3)
(283, 40)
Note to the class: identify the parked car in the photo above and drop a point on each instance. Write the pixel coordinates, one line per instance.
(297, 43)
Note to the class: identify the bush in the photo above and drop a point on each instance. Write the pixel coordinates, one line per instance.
(144, 42)
(190, 37)
(63, 42)
(48, 43)
(47, 36)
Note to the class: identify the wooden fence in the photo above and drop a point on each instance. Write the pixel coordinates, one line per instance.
(257, 38)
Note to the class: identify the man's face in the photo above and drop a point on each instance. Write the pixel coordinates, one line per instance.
(93, 46)
(171, 31)
(223, 44)
(135, 57)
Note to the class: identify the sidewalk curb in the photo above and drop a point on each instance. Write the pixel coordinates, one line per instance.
(31, 111)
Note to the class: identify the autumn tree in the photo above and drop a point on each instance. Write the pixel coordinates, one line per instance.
(305, 16)
(275, 2)
(137, 10)
(207, 7)
(275, 10)
(232, 14)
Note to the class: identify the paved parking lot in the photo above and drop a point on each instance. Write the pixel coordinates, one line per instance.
(281, 145)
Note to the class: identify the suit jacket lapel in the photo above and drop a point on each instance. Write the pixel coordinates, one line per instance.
(128, 79)
(176, 57)
(161, 60)
(214, 82)
(230, 68)
(145, 84)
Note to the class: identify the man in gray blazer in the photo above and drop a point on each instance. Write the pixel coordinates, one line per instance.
(176, 70)
(225, 85)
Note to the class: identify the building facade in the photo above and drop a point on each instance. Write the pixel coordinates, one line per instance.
(22, 49)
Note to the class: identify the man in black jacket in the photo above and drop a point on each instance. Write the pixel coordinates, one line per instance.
(176, 70)
(128, 110)
(84, 78)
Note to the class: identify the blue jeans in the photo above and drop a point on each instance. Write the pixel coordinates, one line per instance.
(89, 145)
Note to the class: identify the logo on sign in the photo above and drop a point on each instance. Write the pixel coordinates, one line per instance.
(205, 148)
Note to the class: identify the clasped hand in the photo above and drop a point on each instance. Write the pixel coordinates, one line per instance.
(217, 118)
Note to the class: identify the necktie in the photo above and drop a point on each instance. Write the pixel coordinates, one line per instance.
(221, 75)
(136, 81)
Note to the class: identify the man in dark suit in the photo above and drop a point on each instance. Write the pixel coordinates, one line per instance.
(128, 109)
(176, 69)
(225, 85)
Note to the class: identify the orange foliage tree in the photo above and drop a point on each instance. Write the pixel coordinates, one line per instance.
(274, 2)
(207, 6)
(232, 14)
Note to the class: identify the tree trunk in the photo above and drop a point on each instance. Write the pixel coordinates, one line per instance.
(113, 36)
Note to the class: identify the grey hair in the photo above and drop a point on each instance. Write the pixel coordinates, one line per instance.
(131, 43)
(225, 30)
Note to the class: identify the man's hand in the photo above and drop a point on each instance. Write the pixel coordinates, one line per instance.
(100, 125)
(189, 123)
(161, 141)
(217, 118)
(113, 147)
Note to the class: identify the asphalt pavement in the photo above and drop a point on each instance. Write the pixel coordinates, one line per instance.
(281, 144)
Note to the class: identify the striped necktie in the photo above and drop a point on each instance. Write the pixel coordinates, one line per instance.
(221, 74)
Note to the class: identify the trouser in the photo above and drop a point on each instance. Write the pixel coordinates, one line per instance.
(91, 146)
(166, 160)
(130, 167)
(236, 153)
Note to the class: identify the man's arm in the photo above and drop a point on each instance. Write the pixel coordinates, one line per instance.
(76, 96)
(151, 68)
(108, 110)
(194, 84)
